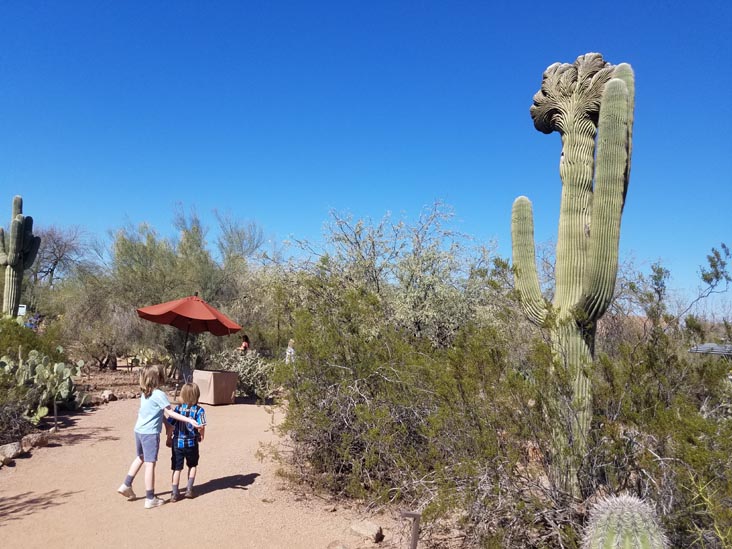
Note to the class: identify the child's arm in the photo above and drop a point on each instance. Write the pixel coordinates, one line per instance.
(201, 432)
(175, 415)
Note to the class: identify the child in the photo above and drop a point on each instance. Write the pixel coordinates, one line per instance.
(184, 440)
(153, 406)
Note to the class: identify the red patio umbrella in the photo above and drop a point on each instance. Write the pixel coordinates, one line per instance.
(191, 314)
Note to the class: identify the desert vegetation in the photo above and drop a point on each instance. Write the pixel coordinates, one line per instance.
(418, 379)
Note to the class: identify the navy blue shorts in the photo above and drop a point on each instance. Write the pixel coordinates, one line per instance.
(189, 455)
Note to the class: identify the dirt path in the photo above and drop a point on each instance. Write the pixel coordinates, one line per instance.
(65, 494)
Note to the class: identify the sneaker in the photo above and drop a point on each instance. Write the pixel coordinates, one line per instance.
(154, 502)
(176, 497)
(126, 491)
(190, 494)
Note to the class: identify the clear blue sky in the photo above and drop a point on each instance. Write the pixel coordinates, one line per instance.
(277, 112)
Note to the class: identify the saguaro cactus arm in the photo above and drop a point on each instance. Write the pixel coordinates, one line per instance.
(31, 243)
(3, 251)
(608, 199)
(624, 72)
(524, 260)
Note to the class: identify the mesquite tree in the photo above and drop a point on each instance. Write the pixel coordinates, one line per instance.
(590, 103)
(17, 253)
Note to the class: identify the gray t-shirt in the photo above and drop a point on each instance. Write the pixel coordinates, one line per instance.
(150, 418)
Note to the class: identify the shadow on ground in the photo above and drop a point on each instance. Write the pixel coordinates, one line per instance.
(64, 420)
(21, 505)
(96, 435)
(237, 482)
(254, 400)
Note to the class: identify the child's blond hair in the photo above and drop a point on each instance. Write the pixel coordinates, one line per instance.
(151, 377)
(190, 393)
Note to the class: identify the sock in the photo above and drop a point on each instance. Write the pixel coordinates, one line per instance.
(175, 490)
(150, 494)
(128, 480)
(190, 483)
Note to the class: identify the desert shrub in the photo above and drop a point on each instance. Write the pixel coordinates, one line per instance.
(377, 413)
(254, 371)
(663, 428)
(14, 424)
(14, 336)
(359, 426)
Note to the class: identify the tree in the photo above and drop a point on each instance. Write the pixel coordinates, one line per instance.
(62, 250)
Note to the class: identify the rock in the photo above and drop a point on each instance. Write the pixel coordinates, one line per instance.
(53, 430)
(95, 400)
(368, 530)
(337, 545)
(11, 451)
(5, 460)
(34, 440)
(108, 396)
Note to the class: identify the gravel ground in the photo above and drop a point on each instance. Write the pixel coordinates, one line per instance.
(65, 493)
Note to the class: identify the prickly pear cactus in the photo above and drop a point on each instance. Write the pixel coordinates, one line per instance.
(623, 522)
(18, 250)
(57, 383)
(590, 104)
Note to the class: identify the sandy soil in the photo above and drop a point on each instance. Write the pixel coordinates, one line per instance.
(65, 494)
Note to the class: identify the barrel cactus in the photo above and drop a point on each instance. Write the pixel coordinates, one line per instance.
(590, 103)
(18, 250)
(623, 522)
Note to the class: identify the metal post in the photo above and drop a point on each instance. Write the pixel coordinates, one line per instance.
(415, 527)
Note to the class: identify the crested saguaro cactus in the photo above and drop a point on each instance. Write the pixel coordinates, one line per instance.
(590, 103)
(18, 250)
(623, 521)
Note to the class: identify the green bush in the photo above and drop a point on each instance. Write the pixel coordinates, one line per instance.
(15, 337)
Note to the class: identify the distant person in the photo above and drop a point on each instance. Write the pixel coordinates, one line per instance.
(290, 352)
(184, 439)
(154, 405)
(244, 347)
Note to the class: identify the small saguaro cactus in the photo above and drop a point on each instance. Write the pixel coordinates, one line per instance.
(590, 103)
(18, 250)
(621, 522)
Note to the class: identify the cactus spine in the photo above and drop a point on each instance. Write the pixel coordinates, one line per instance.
(623, 521)
(18, 250)
(590, 103)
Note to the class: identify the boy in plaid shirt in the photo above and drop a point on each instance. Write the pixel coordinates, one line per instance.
(184, 439)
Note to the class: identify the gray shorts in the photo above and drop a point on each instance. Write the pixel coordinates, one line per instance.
(147, 446)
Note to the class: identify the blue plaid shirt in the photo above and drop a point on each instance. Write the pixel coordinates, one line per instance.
(184, 434)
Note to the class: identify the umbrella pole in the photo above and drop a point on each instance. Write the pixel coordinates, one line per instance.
(181, 369)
